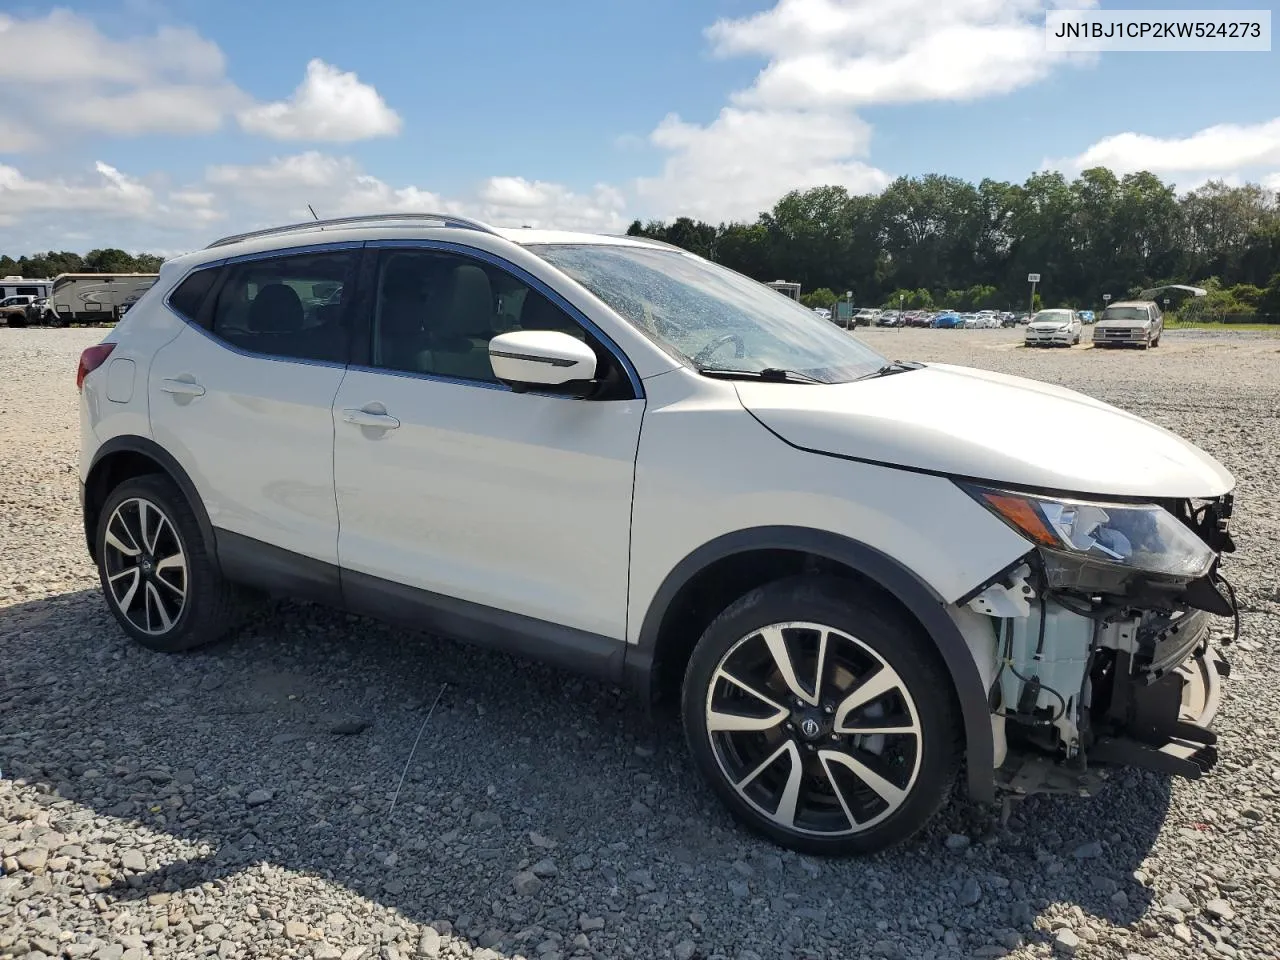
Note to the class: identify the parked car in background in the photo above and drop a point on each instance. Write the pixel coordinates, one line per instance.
(1008, 319)
(1086, 316)
(1133, 323)
(948, 321)
(464, 445)
(39, 311)
(890, 318)
(13, 310)
(823, 312)
(1053, 328)
(866, 317)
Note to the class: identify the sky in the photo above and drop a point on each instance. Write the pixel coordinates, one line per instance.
(160, 125)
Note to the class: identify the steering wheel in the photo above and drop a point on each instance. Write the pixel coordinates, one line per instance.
(709, 350)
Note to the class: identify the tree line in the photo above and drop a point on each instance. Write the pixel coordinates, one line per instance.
(46, 266)
(939, 241)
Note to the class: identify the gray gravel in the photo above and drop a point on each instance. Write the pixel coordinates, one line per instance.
(233, 802)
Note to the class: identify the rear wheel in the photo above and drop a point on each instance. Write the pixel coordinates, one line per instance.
(823, 720)
(159, 582)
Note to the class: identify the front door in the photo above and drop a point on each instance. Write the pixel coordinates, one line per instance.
(475, 498)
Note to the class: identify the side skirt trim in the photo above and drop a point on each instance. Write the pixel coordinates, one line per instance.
(283, 572)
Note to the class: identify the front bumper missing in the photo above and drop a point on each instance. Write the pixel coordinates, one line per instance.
(1165, 726)
(1168, 723)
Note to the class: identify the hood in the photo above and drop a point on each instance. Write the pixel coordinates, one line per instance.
(1049, 324)
(970, 423)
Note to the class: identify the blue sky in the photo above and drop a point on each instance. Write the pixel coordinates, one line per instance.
(161, 123)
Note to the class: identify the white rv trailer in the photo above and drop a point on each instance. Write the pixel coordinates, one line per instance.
(12, 286)
(96, 297)
(791, 290)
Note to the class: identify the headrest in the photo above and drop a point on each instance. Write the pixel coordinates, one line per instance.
(276, 309)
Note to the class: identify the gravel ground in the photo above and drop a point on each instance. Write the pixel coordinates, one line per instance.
(234, 802)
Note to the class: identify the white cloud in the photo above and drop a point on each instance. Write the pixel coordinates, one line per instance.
(1225, 147)
(281, 188)
(112, 193)
(64, 47)
(75, 81)
(115, 208)
(794, 126)
(329, 105)
(310, 169)
(827, 53)
(515, 201)
(367, 194)
(742, 162)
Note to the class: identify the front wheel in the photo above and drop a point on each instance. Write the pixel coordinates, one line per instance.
(824, 720)
(161, 585)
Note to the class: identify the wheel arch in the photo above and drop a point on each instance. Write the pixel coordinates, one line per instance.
(124, 457)
(724, 569)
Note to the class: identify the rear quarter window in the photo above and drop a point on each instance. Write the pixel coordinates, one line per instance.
(190, 295)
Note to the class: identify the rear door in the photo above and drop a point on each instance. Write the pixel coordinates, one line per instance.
(243, 397)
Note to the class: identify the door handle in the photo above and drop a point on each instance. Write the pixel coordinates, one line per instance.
(370, 418)
(182, 387)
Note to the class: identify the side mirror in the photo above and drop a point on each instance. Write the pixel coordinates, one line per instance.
(541, 358)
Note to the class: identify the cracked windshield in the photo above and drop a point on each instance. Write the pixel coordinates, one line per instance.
(711, 317)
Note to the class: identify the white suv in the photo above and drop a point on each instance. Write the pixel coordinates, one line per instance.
(624, 459)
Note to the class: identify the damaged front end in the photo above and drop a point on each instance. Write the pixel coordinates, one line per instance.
(1101, 638)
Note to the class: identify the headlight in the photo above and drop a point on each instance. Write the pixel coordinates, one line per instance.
(1139, 536)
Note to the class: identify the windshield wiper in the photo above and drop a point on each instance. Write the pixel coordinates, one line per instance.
(768, 374)
(895, 366)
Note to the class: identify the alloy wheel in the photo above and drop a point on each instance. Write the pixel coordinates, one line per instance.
(146, 567)
(813, 729)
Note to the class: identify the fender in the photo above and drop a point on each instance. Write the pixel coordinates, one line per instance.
(912, 592)
(129, 443)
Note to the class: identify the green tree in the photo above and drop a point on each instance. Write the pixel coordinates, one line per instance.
(822, 297)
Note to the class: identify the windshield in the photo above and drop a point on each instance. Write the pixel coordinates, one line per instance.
(712, 317)
(1136, 314)
(1052, 316)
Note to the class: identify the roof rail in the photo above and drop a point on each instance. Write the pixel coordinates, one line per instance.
(444, 219)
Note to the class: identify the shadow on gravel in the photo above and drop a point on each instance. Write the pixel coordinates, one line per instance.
(286, 744)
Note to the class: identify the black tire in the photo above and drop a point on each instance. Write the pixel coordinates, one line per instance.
(861, 625)
(211, 606)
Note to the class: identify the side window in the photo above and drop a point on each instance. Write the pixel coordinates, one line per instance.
(189, 296)
(435, 313)
(289, 307)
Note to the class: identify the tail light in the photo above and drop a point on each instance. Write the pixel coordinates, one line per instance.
(91, 359)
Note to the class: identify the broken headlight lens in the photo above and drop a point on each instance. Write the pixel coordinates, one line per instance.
(1139, 536)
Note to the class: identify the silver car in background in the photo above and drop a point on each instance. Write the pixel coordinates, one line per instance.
(1137, 323)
